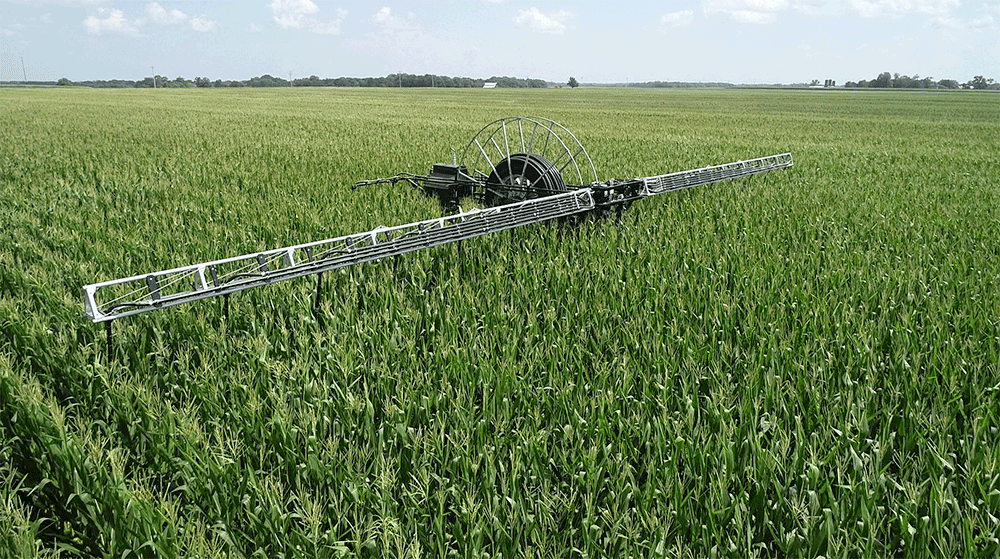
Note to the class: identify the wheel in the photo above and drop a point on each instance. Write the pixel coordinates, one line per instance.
(519, 158)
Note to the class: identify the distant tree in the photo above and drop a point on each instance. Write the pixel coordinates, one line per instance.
(218, 83)
(572, 82)
(814, 83)
(978, 82)
(905, 82)
(948, 84)
(64, 81)
(883, 80)
(202, 82)
(267, 80)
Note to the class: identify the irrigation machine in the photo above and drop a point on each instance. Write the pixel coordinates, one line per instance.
(521, 170)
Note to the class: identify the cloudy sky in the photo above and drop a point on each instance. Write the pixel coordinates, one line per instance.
(601, 41)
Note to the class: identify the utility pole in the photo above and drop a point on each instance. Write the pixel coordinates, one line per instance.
(154, 76)
(289, 79)
(23, 71)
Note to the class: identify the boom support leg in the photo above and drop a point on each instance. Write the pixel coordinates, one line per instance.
(319, 288)
(110, 346)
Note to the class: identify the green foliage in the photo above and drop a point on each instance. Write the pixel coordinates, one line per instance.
(799, 364)
(887, 80)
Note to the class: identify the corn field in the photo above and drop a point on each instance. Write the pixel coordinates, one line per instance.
(799, 364)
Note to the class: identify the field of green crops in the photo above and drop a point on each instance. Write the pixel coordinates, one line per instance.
(798, 364)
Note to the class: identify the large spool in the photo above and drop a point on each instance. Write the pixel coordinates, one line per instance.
(521, 158)
(522, 176)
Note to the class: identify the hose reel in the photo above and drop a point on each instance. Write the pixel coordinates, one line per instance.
(522, 176)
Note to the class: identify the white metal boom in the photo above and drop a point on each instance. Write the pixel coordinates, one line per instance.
(110, 300)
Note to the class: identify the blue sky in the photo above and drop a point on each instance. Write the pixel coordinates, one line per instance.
(738, 41)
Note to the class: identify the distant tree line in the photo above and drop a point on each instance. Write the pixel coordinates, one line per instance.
(895, 81)
(680, 85)
(392, 80)
(411, 80)
(884, 80)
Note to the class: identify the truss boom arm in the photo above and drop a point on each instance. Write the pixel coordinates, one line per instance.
(110, 300)
(114, 299)
(661, 184)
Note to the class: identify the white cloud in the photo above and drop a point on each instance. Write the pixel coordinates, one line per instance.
(897, 8)
(948, 24)
(383, 16)
(753, 17)
(293, 14)
(302, 14)
(401, 43)
(200, 23)
(952, 27)
(676, 19)
(940, 14)
(865, 8)
(746, 11)
(392, 24)
(982, 22)
(162, 15)
(331, 27)
(116, 22)
(254, 28)
(12, 29)
(553, 23)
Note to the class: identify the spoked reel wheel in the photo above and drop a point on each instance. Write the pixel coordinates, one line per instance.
(520, 158)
